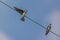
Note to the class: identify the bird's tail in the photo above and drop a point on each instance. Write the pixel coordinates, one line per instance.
(46, 33)
(23, 15)
(22, 18)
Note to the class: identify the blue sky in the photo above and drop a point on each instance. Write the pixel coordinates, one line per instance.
(42, 11)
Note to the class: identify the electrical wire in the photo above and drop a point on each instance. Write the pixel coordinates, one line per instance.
(30, 19)
(6, 5)
(41, 26)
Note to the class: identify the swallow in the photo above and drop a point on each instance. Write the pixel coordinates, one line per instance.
(22, 12)
(48, 29)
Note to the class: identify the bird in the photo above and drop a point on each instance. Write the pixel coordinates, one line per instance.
(22, 12)
(48, 29)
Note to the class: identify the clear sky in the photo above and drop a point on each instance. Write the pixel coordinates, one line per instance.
(42, 11)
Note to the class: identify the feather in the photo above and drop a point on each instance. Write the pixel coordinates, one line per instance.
(19, 10)
(48, 29)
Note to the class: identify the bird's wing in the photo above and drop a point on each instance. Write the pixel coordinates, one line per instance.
(19, 10)
(48, 29)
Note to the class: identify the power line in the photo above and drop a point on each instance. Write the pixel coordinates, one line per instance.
(6, 5)
(35, 22)
(31, 20)
(41, 25)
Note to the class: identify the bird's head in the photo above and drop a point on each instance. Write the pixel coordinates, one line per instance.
(49, 24)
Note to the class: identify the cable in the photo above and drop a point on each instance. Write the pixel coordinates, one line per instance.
(6, 5)
(31, 19)
(35, 22)
(41, 25)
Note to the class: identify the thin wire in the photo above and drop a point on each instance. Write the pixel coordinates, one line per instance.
(35, 22)
(6, 5)
(31, 19)
(41, 25)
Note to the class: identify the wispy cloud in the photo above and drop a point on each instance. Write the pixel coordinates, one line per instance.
(55, 20)
(4, 36)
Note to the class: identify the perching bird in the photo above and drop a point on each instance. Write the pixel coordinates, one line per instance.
(48, 29)
(22, 12)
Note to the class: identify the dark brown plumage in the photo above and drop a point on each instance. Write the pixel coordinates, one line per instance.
(48, 29)
(19, 10)
(22, 12)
